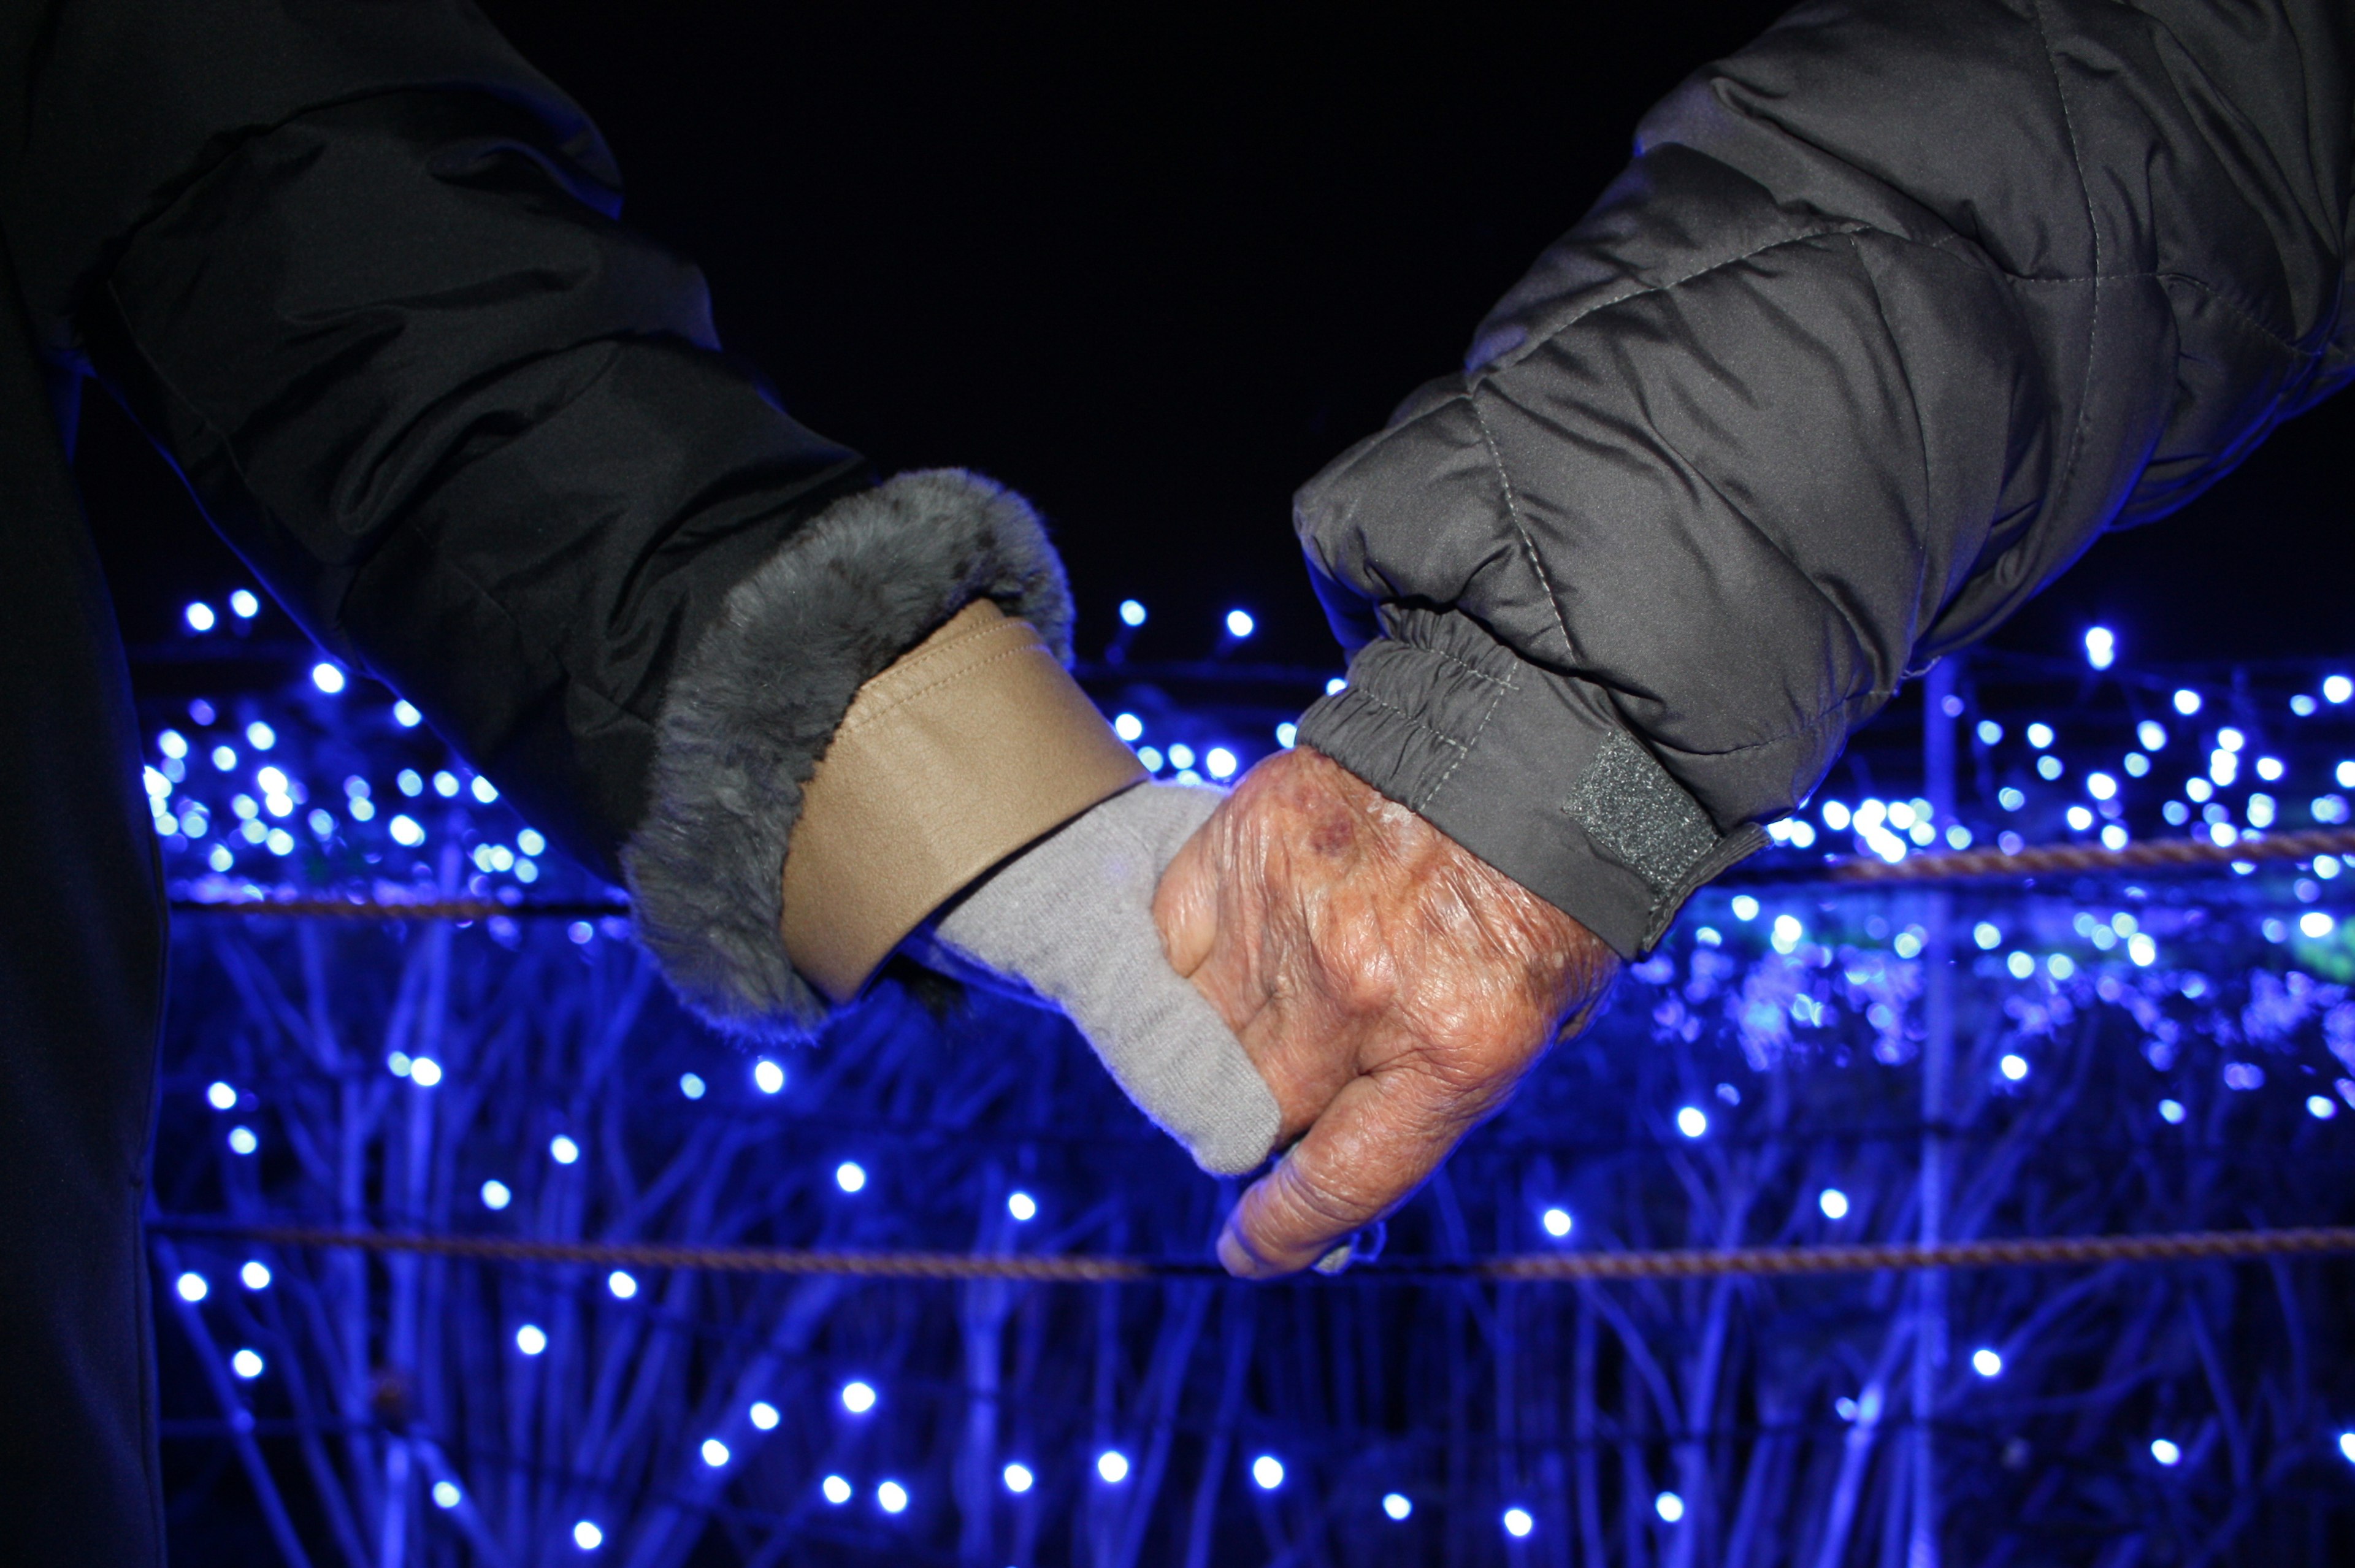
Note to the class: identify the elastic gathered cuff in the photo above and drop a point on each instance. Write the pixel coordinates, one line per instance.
(1529, 770)
(759, 700)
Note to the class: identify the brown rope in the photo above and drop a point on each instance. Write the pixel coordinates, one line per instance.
(1537, 1267)
(404, 909)
(1962, 866)
(2149, 855)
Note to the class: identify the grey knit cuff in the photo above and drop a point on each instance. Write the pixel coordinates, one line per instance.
(752, 707)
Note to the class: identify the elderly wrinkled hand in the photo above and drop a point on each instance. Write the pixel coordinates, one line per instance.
(1391, 988)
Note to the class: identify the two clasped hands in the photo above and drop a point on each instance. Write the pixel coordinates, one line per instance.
(1390, 989)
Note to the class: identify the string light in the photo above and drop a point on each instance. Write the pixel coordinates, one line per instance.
(2109, 945)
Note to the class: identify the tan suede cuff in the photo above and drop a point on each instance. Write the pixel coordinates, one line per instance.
(971, 746)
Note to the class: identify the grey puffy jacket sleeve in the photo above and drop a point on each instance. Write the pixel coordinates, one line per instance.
(1893, 312)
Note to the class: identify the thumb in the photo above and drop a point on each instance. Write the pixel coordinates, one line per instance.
(1375, 1144)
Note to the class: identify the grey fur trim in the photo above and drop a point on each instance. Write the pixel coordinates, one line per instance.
(753, 706)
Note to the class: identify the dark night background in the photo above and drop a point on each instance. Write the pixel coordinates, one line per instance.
(1154, 268)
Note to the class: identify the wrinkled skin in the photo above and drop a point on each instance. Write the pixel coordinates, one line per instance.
(1391, 988)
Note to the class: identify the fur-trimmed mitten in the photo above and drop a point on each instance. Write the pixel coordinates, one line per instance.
(1070, 920)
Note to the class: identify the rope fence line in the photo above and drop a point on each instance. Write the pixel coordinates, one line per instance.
(1952, 866)
(2148, 854)
(2035, 1251)
(420, 910)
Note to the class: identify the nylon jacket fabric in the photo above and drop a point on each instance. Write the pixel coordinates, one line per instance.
(356, 268)
(457, 417)
(1893, 312)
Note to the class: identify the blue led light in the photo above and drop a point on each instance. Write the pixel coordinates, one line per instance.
(1132, 612)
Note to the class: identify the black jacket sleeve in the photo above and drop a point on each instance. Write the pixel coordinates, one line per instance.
(1893, 312)
(361, 273)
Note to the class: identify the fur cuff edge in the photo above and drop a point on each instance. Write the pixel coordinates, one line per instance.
(753, 706)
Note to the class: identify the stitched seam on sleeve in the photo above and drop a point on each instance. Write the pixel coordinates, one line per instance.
(2093, 230)
(1813, 726)
(1463, 750)
(1457, 660)
(1363, 695)
(960, 646)
(950, 678)
(1526, 349)
(2238, 312)
(1513, 513)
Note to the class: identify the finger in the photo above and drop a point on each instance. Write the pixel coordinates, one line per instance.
(1307, 1053)
(1185, 903)
(1180, 1065)
(1382, 1135)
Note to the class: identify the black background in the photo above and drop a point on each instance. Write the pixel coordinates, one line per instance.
(1155, 267)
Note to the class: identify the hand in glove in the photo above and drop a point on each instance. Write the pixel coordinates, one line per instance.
(1070, 920)
(1391, 988)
